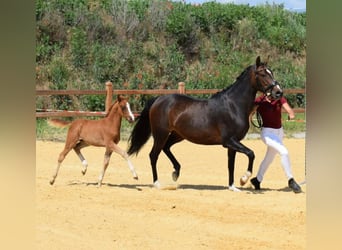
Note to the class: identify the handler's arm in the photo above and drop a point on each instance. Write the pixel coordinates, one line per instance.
(289, 110)
(253, 111)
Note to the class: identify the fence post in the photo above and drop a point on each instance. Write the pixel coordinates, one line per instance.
(181, 88)
(109, 95)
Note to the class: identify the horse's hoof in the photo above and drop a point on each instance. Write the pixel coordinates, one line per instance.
(157, 185)
(52, 182)
(244, 178)
(135, 178)
(175, 176)
(84, 172)
(233, 188)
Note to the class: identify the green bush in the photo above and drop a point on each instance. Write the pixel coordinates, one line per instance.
(79, 47)
(158, 43)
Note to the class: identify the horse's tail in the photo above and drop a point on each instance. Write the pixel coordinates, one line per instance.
(142, 130)
(58, 123)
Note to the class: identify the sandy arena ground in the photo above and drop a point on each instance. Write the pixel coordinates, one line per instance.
(201, 214)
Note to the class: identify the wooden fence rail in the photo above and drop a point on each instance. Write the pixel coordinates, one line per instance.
(109, 95)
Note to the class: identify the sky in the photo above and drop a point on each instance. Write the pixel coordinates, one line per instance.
(293, 5)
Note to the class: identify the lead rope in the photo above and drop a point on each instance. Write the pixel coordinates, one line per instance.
(258, 118)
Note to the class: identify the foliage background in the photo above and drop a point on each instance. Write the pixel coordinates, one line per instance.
(149, 44)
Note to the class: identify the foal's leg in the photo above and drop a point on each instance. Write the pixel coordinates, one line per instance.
(77, 150)
(61, 157)
(105, 165)
(124, 154)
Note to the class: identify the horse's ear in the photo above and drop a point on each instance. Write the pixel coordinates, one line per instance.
(121, 97)
(257, 62)
(268, 58)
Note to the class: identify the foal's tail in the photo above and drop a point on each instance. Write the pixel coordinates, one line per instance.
(58, 123)
(141, 131)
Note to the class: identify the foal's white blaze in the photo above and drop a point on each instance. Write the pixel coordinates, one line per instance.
(129, 111)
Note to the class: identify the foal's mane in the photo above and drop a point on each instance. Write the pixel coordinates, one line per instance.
(111, 107)
(239, 78)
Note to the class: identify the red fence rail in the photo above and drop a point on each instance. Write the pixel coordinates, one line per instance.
(109, 95)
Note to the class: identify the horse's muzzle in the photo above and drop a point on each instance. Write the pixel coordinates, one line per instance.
(130, 119)
(278, 94)
(276, 91)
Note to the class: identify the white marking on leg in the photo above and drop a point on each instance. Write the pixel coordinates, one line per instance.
(124, 155)
(245, 177)
(233, 188)
(52, 181)
(131, 167)
(157, 184)
(105, 165)
(85, 165)
(100, 179)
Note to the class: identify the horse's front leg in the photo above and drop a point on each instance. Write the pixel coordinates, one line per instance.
(105, 165)
(124, 154)
(231, 168)
(234, 145)
(248, 174)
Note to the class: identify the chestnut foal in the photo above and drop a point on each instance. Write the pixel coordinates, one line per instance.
(104, 132)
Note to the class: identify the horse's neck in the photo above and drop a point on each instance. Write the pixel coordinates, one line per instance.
(114, 115)
(242, 93)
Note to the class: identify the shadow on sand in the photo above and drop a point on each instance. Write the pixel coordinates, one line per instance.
(140, 187)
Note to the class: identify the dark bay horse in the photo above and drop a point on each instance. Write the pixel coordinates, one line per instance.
(223, 120)
(104, 132)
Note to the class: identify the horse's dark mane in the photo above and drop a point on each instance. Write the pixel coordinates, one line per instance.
(228, 88)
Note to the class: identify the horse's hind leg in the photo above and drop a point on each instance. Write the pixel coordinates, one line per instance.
(77, 150)
(173, 139)
(61, 157)
(231, 168)
(158, 145)
(71, 141)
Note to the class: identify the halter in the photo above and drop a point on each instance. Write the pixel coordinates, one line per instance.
(267, 91)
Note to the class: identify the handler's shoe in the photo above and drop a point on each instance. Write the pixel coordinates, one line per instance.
(294, 186)
(256, 183)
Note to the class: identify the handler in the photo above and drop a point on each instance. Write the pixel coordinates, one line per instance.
(272, 134)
